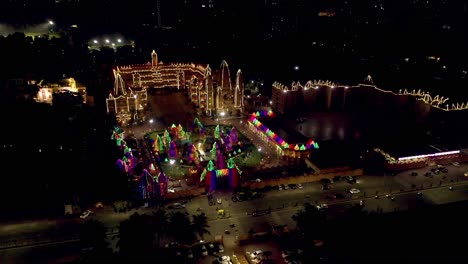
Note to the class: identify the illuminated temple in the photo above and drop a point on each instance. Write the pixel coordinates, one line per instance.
(126, 103)
(213, 91)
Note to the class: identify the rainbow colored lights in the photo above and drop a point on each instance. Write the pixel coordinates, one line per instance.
(273, 136)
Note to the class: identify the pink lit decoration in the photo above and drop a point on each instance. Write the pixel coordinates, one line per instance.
(193, 153)
(227, 143)
(173, 150)
(173, 132)
(234, 135)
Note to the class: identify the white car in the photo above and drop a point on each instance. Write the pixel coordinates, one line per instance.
(86, 214)
(354, 190)
(190, 254)
(299, 186)
(321, 206)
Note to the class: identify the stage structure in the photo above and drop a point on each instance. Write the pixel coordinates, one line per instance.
(213, 91)
(210, 175)
(126, 103)
(295, 151)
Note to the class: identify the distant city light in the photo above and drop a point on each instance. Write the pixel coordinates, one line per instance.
(222, 113)
(107, 41)
(296, 68)
(113, 44)
(51, 22)
(259, 149)
(171, 162)
(119, 40)
(151, 121)
(271, 102)
(95, 42)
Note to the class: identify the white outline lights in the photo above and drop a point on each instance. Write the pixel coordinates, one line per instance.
(430, 155)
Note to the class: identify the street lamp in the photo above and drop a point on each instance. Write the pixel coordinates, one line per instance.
(51, 22)
(151, 121)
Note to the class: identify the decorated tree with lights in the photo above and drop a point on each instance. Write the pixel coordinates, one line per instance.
(167, 139)
(180, 132)
(197, 127)
(158, 144)
(214, 149)
(217, 132)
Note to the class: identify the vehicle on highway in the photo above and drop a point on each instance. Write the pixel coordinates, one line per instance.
(176, 206)
(86, 214)
(354, 190)
(321, 206)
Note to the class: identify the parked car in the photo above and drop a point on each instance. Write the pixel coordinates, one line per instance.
(414, 173)
(204, 252)
(299, 186)
(354, 190)
(220, 248)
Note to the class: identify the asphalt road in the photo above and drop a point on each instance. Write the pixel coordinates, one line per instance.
(29, 234)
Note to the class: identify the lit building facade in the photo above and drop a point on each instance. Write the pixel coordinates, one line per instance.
(213, 91)
(126, 103)
(46, 92)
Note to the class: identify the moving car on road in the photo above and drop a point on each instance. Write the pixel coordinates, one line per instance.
(86, 214)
